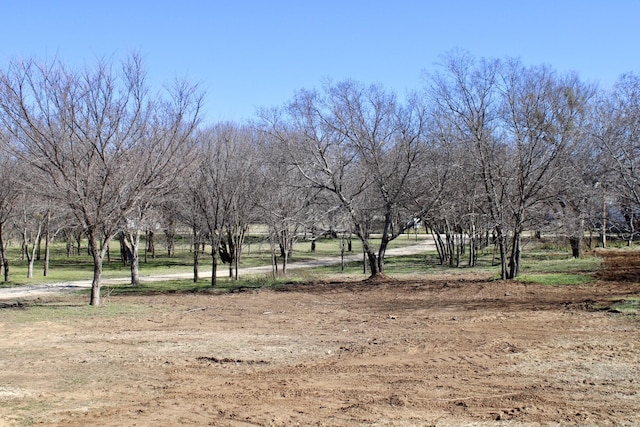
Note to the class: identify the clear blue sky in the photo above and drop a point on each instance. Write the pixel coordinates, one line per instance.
(250, 53)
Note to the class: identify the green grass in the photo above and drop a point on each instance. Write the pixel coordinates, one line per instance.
(65, 309)
(556, 268)
(629, 305)
(223, 285)
(537, 262)
(555, 279)
(539, 265)
(80, 266)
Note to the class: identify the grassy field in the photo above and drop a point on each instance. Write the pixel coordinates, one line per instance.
(542, 264)
(256, 252)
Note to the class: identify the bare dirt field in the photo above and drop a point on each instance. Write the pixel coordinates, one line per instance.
(457, 349)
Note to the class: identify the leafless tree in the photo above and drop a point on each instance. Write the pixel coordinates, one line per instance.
(30, 221)
(360, 145)
(516, 123)
(8, 195)
(188, 214)
(170, 213)
(466, 92)
(284, 204)
(577, 207)
(98, 136)
(222, 191)
(544, 118)
(139, 219)
(617, 131)
(240, 192)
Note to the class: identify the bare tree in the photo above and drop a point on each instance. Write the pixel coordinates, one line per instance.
(578, 204)
(170, 216)
(241, 194)
(189, 215)
(516, 124)
(213, 183)
(358, 144)
(284, 206)
(544, 119)
(140, 218)
(466, 92)
(30, 221)
(98, 136)
(617, 132)
(8, 196)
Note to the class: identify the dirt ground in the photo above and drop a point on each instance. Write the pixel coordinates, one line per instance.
(456, 349)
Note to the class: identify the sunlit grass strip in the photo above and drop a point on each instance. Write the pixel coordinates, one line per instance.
(532, 263)
(555, 279)
(187, 286)
(630, 305)
(560, 271)
(67, 309)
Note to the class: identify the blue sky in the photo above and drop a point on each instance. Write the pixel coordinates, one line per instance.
(250, 53)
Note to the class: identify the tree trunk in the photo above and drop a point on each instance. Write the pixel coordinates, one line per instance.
(632, 229)
(437, 239)
(214, 267)
(451, 246)
(381, 253)
(170, 237)
(30, 268)
(515, 258)
(473, 251)
(237, 249)
(364, 261)
(46, 255)
(196, 256)
(46, 244)
(230, 253)
(3, 256)
(285, 259)
(79, 241)
(95, 284)
(134, 241)
(31, 253)
(125, 251)
(69, 248)
(151, 244)
(576, 246)
(97, 253)
(274, 258)
(370, 254)
(502, 247)
(373, 263)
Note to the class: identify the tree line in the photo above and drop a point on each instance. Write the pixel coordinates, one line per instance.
(485, 151)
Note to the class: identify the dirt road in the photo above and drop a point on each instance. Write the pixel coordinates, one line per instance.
(457, 349)
(453, 350)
